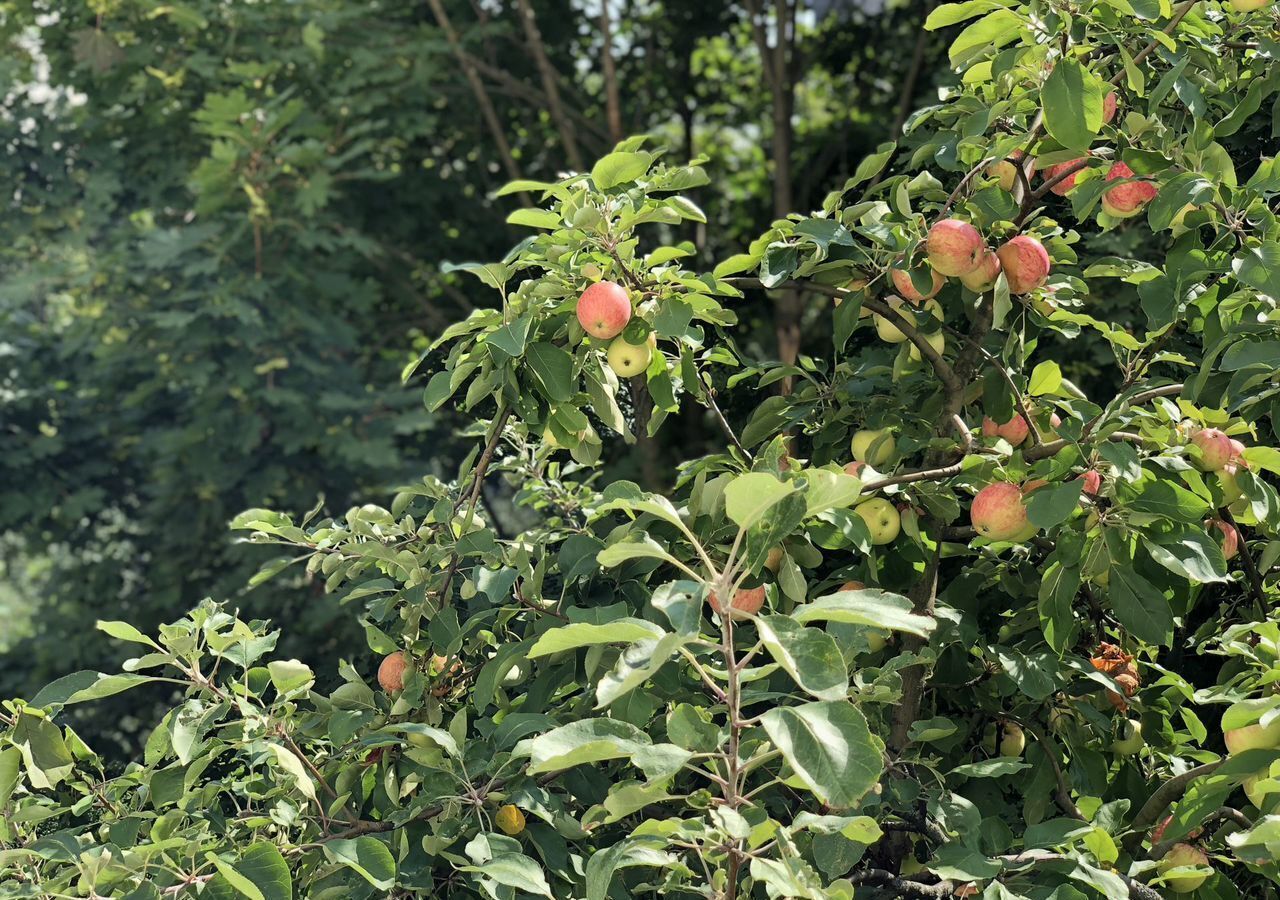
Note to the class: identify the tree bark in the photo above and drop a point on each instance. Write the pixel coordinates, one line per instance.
(550, 84)
(612, 100)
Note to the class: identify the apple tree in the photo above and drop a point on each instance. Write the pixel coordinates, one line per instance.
(936, 622)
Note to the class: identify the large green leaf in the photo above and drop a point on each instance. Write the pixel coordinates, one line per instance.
(1072, 100)
(368, 856)
(1139, 606)
(514, 870)
(596, 740)
(1259, 267)
(829, 747)
(553, 367)
(636, 665)
(749, 497)
(621, 167)
(586, 634)
(810, 656)
(870, 607)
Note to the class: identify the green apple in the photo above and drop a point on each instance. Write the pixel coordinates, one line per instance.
(875, 640)
(1183, 855)
(936, 340)
(1013, 742)
(1263, 785)
(882, 518)
(630, 359)
(1130, 739)
(873, 447)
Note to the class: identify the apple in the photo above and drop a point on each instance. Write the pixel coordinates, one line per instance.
(1025, 263)
(1230, 538)
(875, 640)
(872, 446)
(1258, 787)
(1229, 485)
(1237, 452)
(1215, 449)
(890, 332)
(604, 309)
(1253, 737)
(1244, 6)
(998, 513)
(1183, 855)
(746, 602)
(1013, 742)
(1092, 482)
(954, 247)
(1124, 201)
(1109, 105)
(902, 281)
(391, 672)
(1014, 431)
(1066, 185)
(854, 468)
(1005, 171)
(936, 340)
(773, 559)
(1130, 740)
(510, 820)
(628, 359)
(983, 278)
(882, 518)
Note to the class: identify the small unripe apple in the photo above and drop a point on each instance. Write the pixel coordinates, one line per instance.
(1244, 6)
(875, 640)
(1014, 431)
(882, 518)
(954, 247)
(1066, 185)
(890, 332)
(1109, 105)
(510, 820)
(1124, 201)
(983, 277)
(1013, 742)
(391, 672)
(998, 512)
(1253, 737)
(872, 446)
(604, 309)
(902, 282)
(1025, 263)
(1183, 855)
(630, 359)
(1130, 739)
(1215, 449)
(746, 602)
(1230, 538)
(936, 340)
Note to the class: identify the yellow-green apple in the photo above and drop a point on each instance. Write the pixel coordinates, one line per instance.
(882, 518)
(954, 247)
(773, 559)
(998, 513)
(746, 602)
(1130, 739)
(936, 340)
(1025, 263)
(1013, 741)
(983, 278)
(1180, 856)
(1253, 737)
(391, 672)
(1215, 449)
(604, 309)
(1065, 186)
(1230, 539)
(1014, 431)
(1109, 105)
(902, 282)
(1243, 6)
(628, 359)
(1092, 482)
(1124, 201)
(1005, 171)
(890, 332)
(872, 446)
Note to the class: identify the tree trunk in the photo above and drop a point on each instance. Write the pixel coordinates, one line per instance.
(550, 84)
(612, 101)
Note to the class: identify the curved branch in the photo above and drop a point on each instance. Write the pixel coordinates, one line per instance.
(915, 890)
(1158, 802)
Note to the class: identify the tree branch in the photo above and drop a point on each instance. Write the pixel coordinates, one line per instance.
(913, 890)
(538, 49)
(1158, 802)
(612, 102)
(1246, 558)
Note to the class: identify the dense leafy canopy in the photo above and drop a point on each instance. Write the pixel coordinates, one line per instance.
(789, 675)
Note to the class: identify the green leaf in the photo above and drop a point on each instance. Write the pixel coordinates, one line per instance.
(626, 853)
(10, 758)
(45, 756)
(265, 868)
(534, 218)
(870, 607)
(991, 768)
(1139, 607)
(1053, 504)
(1192, 554)
(586, 634)
(553, 367)
(1072, 99)
(231, 878)
(514, 870)
(290, 675)
(1058, 591)
(829, 490)
(810, 656)
(829, 747)
(596, 740)
(81, 686)
(125, 632)
(368, 856)
(644, 547)
(636, 665)
(989, 33)
(1187, 188)
(954, 13)
(1259, 267)
(621, 167)
(748, 497)
(1046, 378)
(292, 764)
(438, 736)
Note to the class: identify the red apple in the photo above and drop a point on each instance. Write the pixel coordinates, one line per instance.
(1109, 104)
(746, 602)
(1025, 263)
(854, 468)
(1230, 537)
(1014, 431)
(1063, 187)
(983, 278)
(954, 247)
(391, 672)
(1215, 449)
(902, 282)
(1092, 482)
(604, 309)
(1124, 201)
(998, 513)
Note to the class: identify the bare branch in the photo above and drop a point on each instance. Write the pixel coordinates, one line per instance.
(538, 49)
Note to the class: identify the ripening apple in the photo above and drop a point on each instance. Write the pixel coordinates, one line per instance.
(882, 518)
(391, 672)
(1253, 737)
(902, 282)
(773, 559)
(854, 468)
(891, 333)
(1244, 6)
(1109, 105)
(1183, 855)
(1230, 539)
(983, 278)
(746, 602)
(936, 340)
(604, 309)
(1025, 263)
(954, 247)
(1014, 431)
(1005, 171)
(1092, 482)
(872, 446)
(1130, 739)
(998, 513)
(1013, 741)
(1124, 201)
(1237, 451)
(628, 359)
(1215, 449)
(1066, 185)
